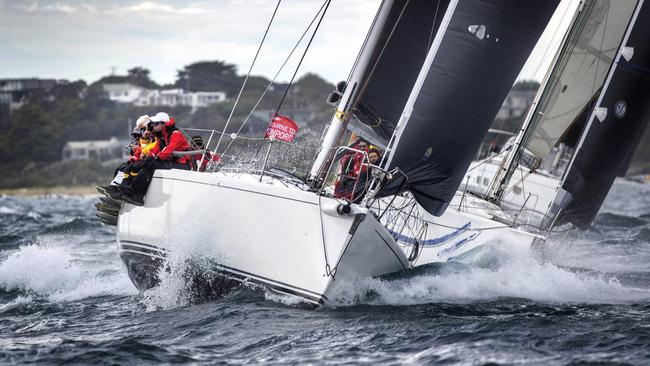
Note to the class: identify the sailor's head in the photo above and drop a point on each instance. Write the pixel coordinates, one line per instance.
(197, 142)
(374, 156)
(362, 145)
(156, 126)
(157, 122)
(142, 121)
(141, 126)
(137, 133)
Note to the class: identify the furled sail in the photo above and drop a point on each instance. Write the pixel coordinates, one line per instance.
(580, 71)
(607, 145)
(479, 49)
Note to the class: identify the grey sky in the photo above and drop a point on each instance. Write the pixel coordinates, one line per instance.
(86, 38)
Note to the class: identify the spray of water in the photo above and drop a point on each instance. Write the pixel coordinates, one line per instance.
(493, 272)
(54, 272)
(189, 243)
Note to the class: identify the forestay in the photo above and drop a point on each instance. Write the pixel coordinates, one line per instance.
(473, 61)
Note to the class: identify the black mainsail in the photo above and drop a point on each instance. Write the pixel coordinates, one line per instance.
(477, 53)
(406, 39)
(614, 129)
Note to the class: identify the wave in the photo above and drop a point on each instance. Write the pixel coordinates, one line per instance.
(56, 274)
(4, 210)
(76, 225)
(619, 221)
(9, 241)
(492, 273)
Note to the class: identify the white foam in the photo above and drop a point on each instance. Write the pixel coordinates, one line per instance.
(15, 303)
(188, 242)
(55, 273)
(514, 274)
(290, 300)
(8, 210)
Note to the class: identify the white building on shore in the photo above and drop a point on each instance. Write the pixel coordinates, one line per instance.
(101, 150)
(133, 94)
(15, 92)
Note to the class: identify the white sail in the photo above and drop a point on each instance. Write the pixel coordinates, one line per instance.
(581, 71)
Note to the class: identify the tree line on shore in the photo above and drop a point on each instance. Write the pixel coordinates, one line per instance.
(34, 134)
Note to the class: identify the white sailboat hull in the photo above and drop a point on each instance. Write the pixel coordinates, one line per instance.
(276, 234)
(531, 192)
(266, 232)
(462, 228)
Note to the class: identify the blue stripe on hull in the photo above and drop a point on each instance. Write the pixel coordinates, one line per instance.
(431, 242)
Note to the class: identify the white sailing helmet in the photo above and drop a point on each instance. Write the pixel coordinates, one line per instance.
(160, 117)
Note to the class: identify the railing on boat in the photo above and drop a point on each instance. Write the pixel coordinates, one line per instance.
(246, 154)
(290, 162)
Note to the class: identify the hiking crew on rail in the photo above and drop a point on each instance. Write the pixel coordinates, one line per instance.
(139, 172)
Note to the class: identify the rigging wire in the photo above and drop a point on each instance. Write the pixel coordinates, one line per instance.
(248, 75)
(268, 87)
(600, 51)
(327, 4)
(433, 26)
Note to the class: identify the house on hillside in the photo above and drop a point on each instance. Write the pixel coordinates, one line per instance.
(14, 92)
(101, 150)
(133, 94)
(123, 92)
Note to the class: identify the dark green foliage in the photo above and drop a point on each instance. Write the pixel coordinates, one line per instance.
(209, 76)
(137, 76)
(140, 76)
(34, 135)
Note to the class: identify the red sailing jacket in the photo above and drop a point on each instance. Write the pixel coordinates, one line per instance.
(174, 141)
(210, 156)
(136, 154)
(351, 166)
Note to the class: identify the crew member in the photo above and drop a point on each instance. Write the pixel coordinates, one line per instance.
(349, 168)
(206, 157)
(170, 139)
(135, 148)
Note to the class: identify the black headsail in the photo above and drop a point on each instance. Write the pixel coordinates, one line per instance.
(612, 132)
(475, 57)
(407, 37)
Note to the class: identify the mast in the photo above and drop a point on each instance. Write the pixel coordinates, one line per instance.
(507, 167)
(352, 90)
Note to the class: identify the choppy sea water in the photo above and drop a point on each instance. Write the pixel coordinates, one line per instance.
(583, 299)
